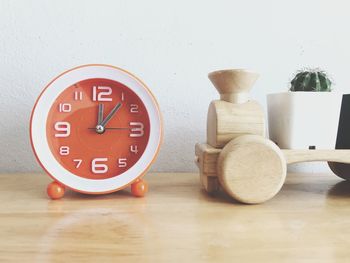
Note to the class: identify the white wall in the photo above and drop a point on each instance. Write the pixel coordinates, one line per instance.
(171, 45)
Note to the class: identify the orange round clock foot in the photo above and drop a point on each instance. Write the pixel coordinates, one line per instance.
(55, 190)
(139, 188)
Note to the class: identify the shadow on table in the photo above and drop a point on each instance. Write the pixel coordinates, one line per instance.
(219, 197)
(341, 189)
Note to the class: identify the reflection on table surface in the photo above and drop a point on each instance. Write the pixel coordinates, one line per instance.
(176, 221)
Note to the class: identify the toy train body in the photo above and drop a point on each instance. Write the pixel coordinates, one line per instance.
(237, 155)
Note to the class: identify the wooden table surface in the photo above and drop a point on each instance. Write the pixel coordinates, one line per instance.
(309, 220)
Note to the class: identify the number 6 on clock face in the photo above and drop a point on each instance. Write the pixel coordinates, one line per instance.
(102, 129)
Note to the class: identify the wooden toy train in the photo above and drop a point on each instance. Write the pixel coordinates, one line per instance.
(238, 156)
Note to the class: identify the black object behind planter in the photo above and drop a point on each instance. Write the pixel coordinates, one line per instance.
(343, 138)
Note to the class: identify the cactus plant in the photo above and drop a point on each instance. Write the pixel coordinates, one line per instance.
(311, 80)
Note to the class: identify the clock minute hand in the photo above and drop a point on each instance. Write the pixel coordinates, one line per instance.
(113, 128)
(111, 114)
(100, 113)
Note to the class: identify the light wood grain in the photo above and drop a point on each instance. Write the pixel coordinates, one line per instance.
(308, 221)
(251, 169)
(209, 183)
(206, 158)
(226, 121)
(233, 85)
(295, 156)
(234, 114)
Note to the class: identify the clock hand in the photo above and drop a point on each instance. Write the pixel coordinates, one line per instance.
(111, 114)
(100, 128)
(113, 128)
(117, 128)
(100, 113)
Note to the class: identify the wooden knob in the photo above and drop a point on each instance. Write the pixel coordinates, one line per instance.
(233, 85)
(251, 169)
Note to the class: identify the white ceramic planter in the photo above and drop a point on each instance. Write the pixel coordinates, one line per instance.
(303, 120)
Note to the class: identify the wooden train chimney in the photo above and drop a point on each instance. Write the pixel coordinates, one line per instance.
(234, 114)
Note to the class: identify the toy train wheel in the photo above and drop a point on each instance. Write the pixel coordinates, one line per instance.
(251, 169)
(340, 169)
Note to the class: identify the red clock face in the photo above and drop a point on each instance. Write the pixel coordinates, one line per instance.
(97, 128)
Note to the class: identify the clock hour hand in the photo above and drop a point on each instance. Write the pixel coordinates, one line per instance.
(100, 113)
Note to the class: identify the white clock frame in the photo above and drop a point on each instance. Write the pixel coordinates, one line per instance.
(39, 138)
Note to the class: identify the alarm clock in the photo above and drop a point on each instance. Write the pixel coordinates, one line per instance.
(96, 129)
